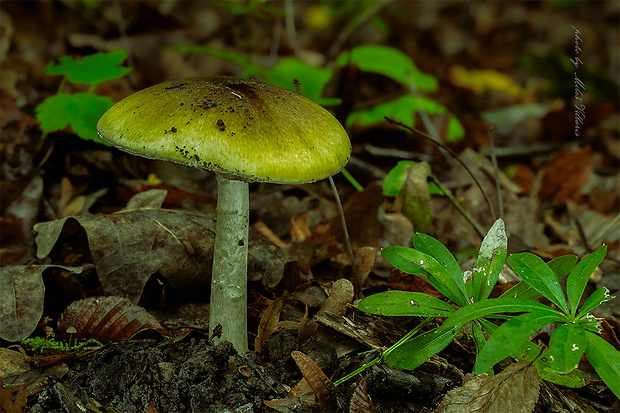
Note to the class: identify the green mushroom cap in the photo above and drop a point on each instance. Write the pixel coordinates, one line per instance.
(240, 128)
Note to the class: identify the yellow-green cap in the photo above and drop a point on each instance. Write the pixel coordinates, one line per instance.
(241, 128)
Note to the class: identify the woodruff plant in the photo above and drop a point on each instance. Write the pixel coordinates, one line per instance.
(574, 336)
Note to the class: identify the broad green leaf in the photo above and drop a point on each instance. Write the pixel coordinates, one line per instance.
(91, 70)
(405, 303)
(509, 337)
(568, 342)
(389, 62)
(429, 245)
(456, 131)
(476, 332)
(533, 270)
(579, 276)
(560, 266)
(81, 111)
(394, 179)
(594, 300)
(491, 258)
(56, 112)
(606, 361)
(416, 351)
(410, 261)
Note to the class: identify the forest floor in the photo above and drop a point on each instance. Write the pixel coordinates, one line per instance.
(84, 221)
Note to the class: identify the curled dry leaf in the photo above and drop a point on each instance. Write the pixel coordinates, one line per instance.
(131, 245)
(107, 319)
(329, 397)
(268, 324)
(341, 294)
(514, 390)
(22, 294)
(366, 257)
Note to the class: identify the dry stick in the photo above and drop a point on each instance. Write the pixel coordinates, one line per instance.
(458, 206)
(498, 187)
(454, 155)
(342, 220)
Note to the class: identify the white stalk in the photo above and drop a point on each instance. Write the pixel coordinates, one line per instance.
(230, 263)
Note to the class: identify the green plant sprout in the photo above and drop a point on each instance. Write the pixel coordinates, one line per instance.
(470, 290)
(53, 346)
(80, 110)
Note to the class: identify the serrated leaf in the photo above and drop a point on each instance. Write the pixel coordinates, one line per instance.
(411, 261)
(91, 70)
(491, 258)
(81, 111)
(594, 300)
(605, 359)
(560, 266)
(405, 303)
(533, 270)
(579, 276)
(509, 337)
(389, 62)
(56, 112)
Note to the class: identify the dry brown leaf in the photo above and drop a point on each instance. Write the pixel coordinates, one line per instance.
(6, 400)
(366, 257)
(107, 319)
(300, 395)
(329, 397)
(341, 294)
(131, 245)
(514, 390)
(565, 177)
(268, 324)
(361, 401)
(22, 294)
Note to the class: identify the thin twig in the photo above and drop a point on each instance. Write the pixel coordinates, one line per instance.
(347, 241)
(458, 206)
(498, 187)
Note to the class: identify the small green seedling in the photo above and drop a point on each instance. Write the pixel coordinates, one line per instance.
(470, 292)
(53, 346)
(80, 110)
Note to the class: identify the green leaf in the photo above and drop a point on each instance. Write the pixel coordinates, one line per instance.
(81, 111)
(560, 266)
(312, 78)
(606, 361)
(533, 270)
(491, 258)
(429, 245)
(509, 337)
(579, 276)
(416, 351)
(402, 109)
(389, 62)
(394, 179)
(456, 131)
(91, 70)
(404, 303)
(594, 300)
(566, 347)
(412, 261)
(56, 112)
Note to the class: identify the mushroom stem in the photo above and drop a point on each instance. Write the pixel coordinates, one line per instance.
(230, 263)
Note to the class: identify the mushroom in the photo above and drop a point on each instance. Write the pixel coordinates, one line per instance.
(244, 131)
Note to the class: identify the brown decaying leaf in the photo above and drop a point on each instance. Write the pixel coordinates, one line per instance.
(361, 401)
(7, 404)
(22, 294)
(341, 294)
(514, 390)
(300, 395)
(268, 324)
(107, 319)
(565, 177)
(329, 397)
(131, 245)
(366, 257)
